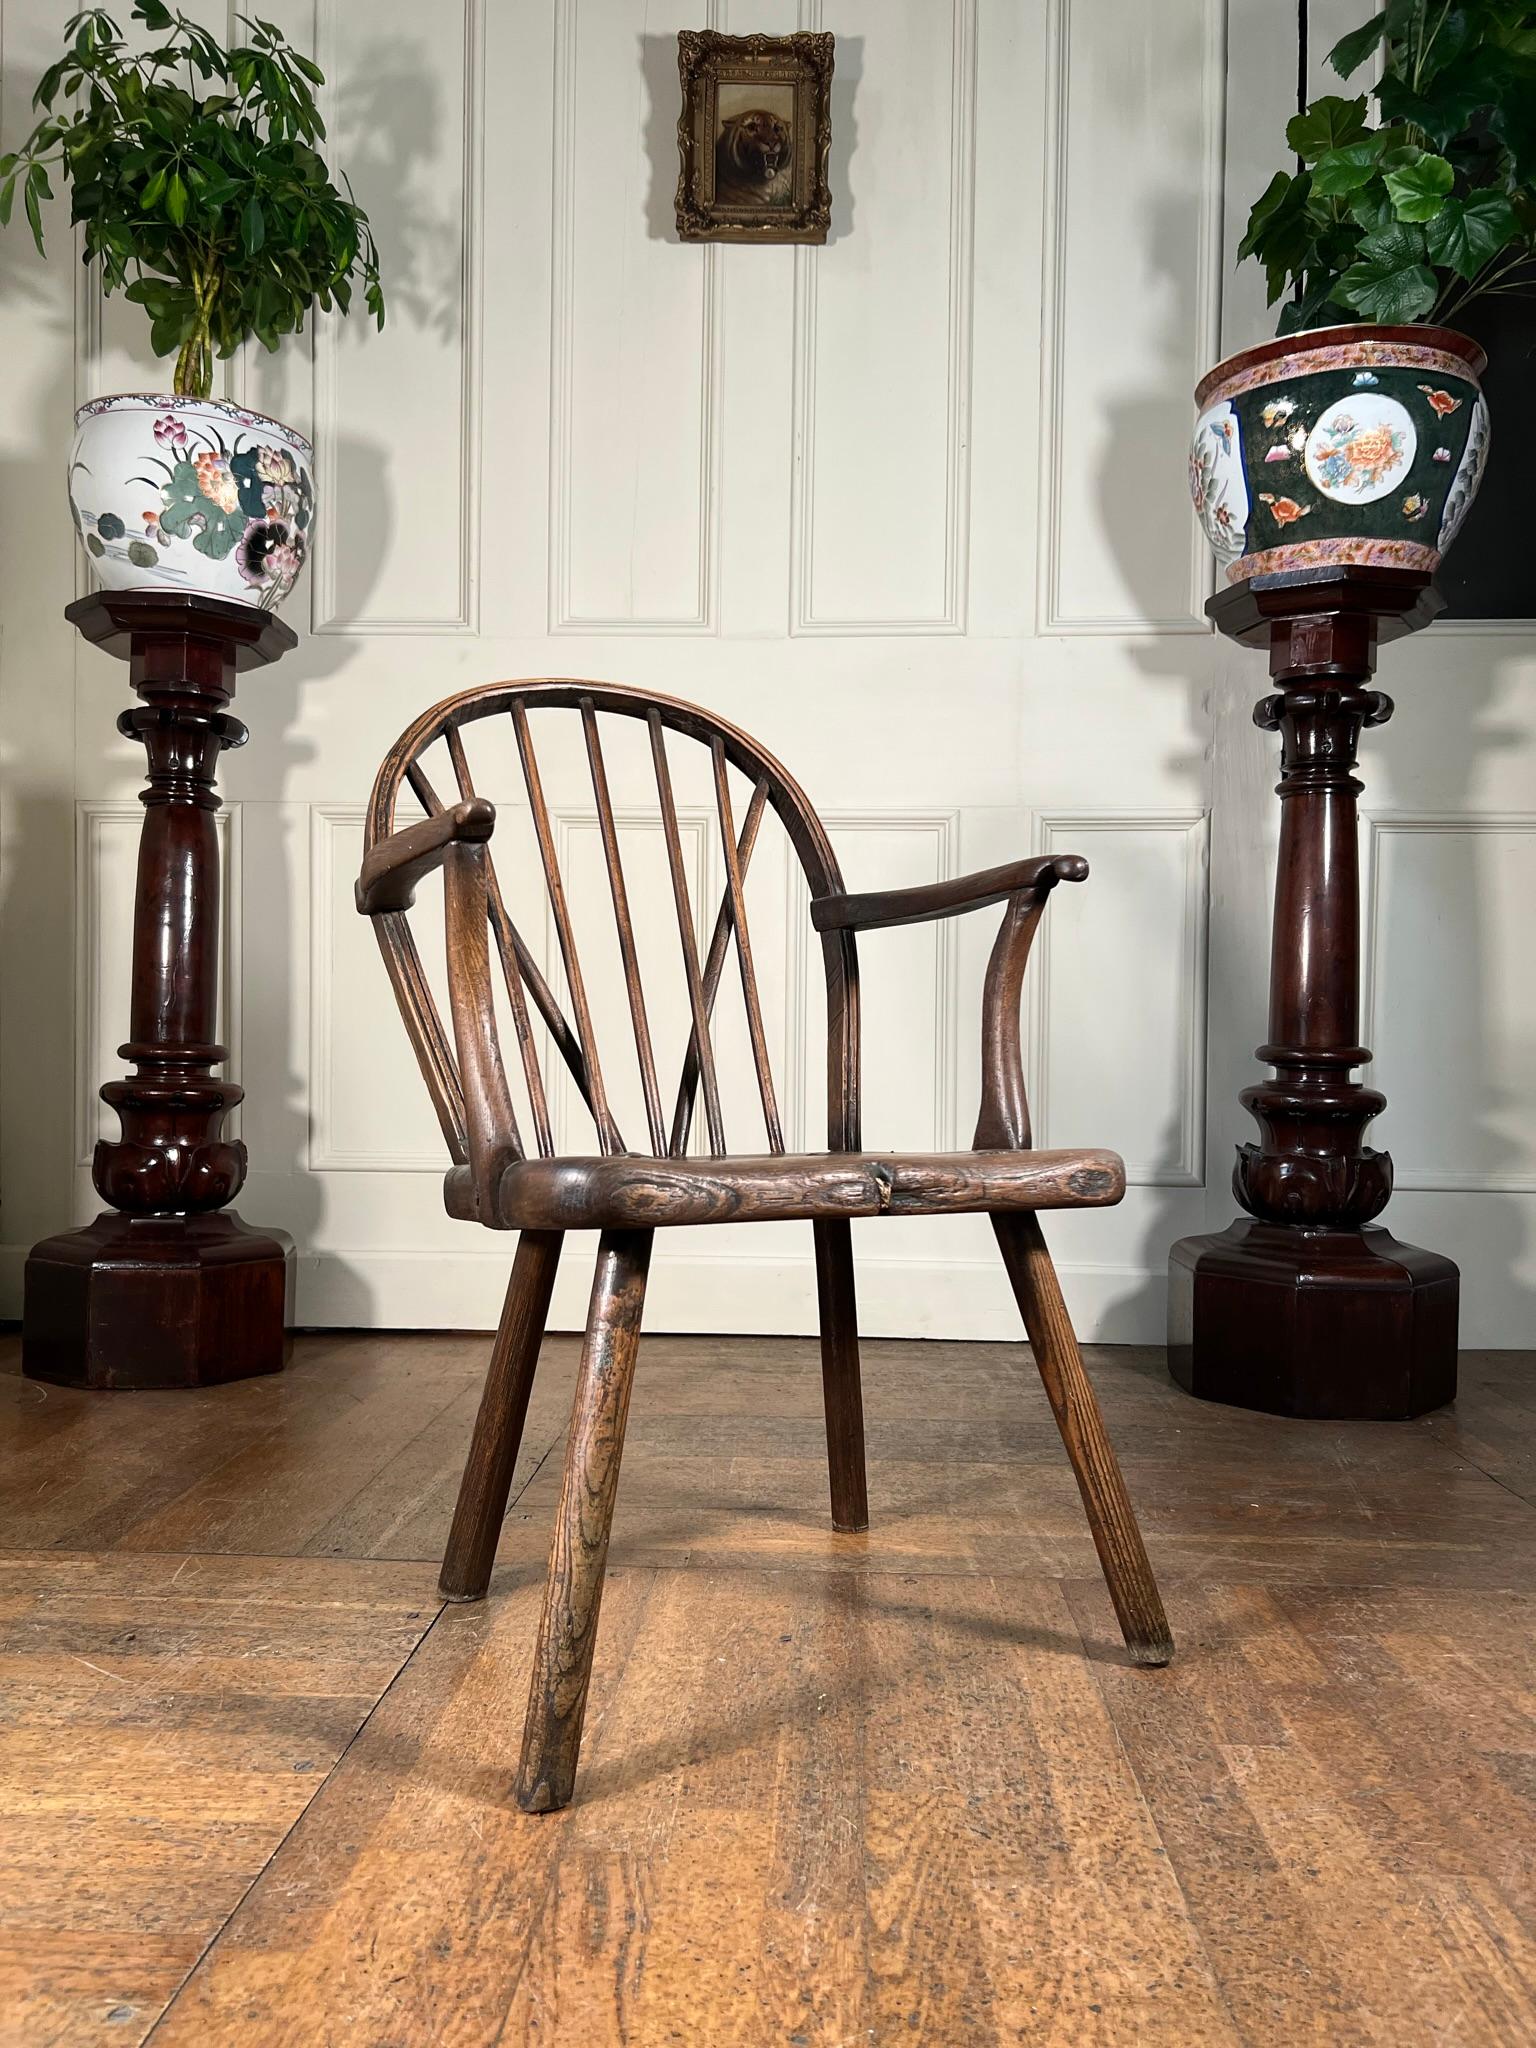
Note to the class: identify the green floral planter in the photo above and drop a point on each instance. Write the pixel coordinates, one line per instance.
(1343, 444)
(191, 494)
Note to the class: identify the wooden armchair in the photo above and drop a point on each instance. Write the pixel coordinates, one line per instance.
(626, 1194)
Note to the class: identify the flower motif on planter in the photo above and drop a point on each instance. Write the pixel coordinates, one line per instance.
(221, 498)
(215, 479)
(170, 432)
(276, 466)
(1442, 455)
(1366, 377)
(1441, 402)
(1281, 452)
(1284, 511)
(1360, 448)
(1415, 507)
(1278, 409)
(270, 555)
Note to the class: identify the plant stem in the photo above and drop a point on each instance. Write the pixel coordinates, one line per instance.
(194, 361)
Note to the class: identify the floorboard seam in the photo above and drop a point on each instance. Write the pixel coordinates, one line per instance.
(288, 1832)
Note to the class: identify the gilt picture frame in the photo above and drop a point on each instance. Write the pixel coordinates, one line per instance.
(754, 137)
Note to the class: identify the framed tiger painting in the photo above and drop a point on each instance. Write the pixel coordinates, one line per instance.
(754, 137)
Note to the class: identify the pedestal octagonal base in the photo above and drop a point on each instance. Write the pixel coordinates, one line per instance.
(157, 1301)
(1336, 1324)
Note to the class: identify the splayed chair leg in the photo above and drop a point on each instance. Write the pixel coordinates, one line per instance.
(493, 1449)
(1111, 1517)
(562, 1666)
(840, 1373)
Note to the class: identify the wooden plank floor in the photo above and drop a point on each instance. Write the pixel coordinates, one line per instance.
(897, 1788)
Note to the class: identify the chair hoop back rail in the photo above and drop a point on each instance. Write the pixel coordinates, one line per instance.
(506, 1181)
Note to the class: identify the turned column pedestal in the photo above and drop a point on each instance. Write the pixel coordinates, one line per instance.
(169, 1288)
(1301, 1307)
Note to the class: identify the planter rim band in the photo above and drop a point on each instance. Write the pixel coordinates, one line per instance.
(169, 401)
(1445, 341)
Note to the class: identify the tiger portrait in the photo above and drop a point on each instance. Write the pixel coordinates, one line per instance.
(753, 164)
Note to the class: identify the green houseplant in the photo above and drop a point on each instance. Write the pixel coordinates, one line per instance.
(197, 181)
(1433, 206)
(1362, 436)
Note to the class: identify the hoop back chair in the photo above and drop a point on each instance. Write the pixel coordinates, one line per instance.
(627, 1190)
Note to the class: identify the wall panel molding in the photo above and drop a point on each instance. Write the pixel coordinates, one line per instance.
(1052, 613)
(563, 615)
(1056, 832)
(1410, 1175)
(104, 896)
(806, 616)
(463, 492)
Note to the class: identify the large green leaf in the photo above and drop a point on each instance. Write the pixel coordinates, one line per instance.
(1391, 282)
(1418, 190)
(1351, 51)
(1264, 211)
(1338, 171)
(1465, 233)
(1328, 123)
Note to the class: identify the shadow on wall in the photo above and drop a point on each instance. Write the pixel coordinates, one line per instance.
(1145, 436)
(388, 132)
(39, 1139)
(664, 103)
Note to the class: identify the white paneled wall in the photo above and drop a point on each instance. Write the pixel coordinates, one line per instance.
(910, 507)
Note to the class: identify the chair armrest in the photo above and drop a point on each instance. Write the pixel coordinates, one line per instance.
(946, 899)
(392, 869)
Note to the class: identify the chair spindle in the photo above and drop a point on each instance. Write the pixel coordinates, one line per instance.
(644, 1052)
(714, 963)
(608, 1137)
(700, 1041)
(426, 795)
(736, 899)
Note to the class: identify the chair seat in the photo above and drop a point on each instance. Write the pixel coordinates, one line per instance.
(634, 1191)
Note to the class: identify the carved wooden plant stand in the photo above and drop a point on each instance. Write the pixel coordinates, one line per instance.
(171, 1290)
(1301, 1309)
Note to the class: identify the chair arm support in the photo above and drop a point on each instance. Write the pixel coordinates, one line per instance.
(392, 869)
(489, 1121)
(946, 899)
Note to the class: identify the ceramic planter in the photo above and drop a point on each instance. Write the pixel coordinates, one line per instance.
(191, 494)
(1339, 445)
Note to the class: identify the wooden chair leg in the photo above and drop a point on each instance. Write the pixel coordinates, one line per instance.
(1110, 1514)
(493, 1449)
(840, 1373)
(562, 1665)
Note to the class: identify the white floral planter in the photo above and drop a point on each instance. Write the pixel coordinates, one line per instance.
(191, 494)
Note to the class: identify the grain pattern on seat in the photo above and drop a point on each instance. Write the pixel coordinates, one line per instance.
(636, 1192)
